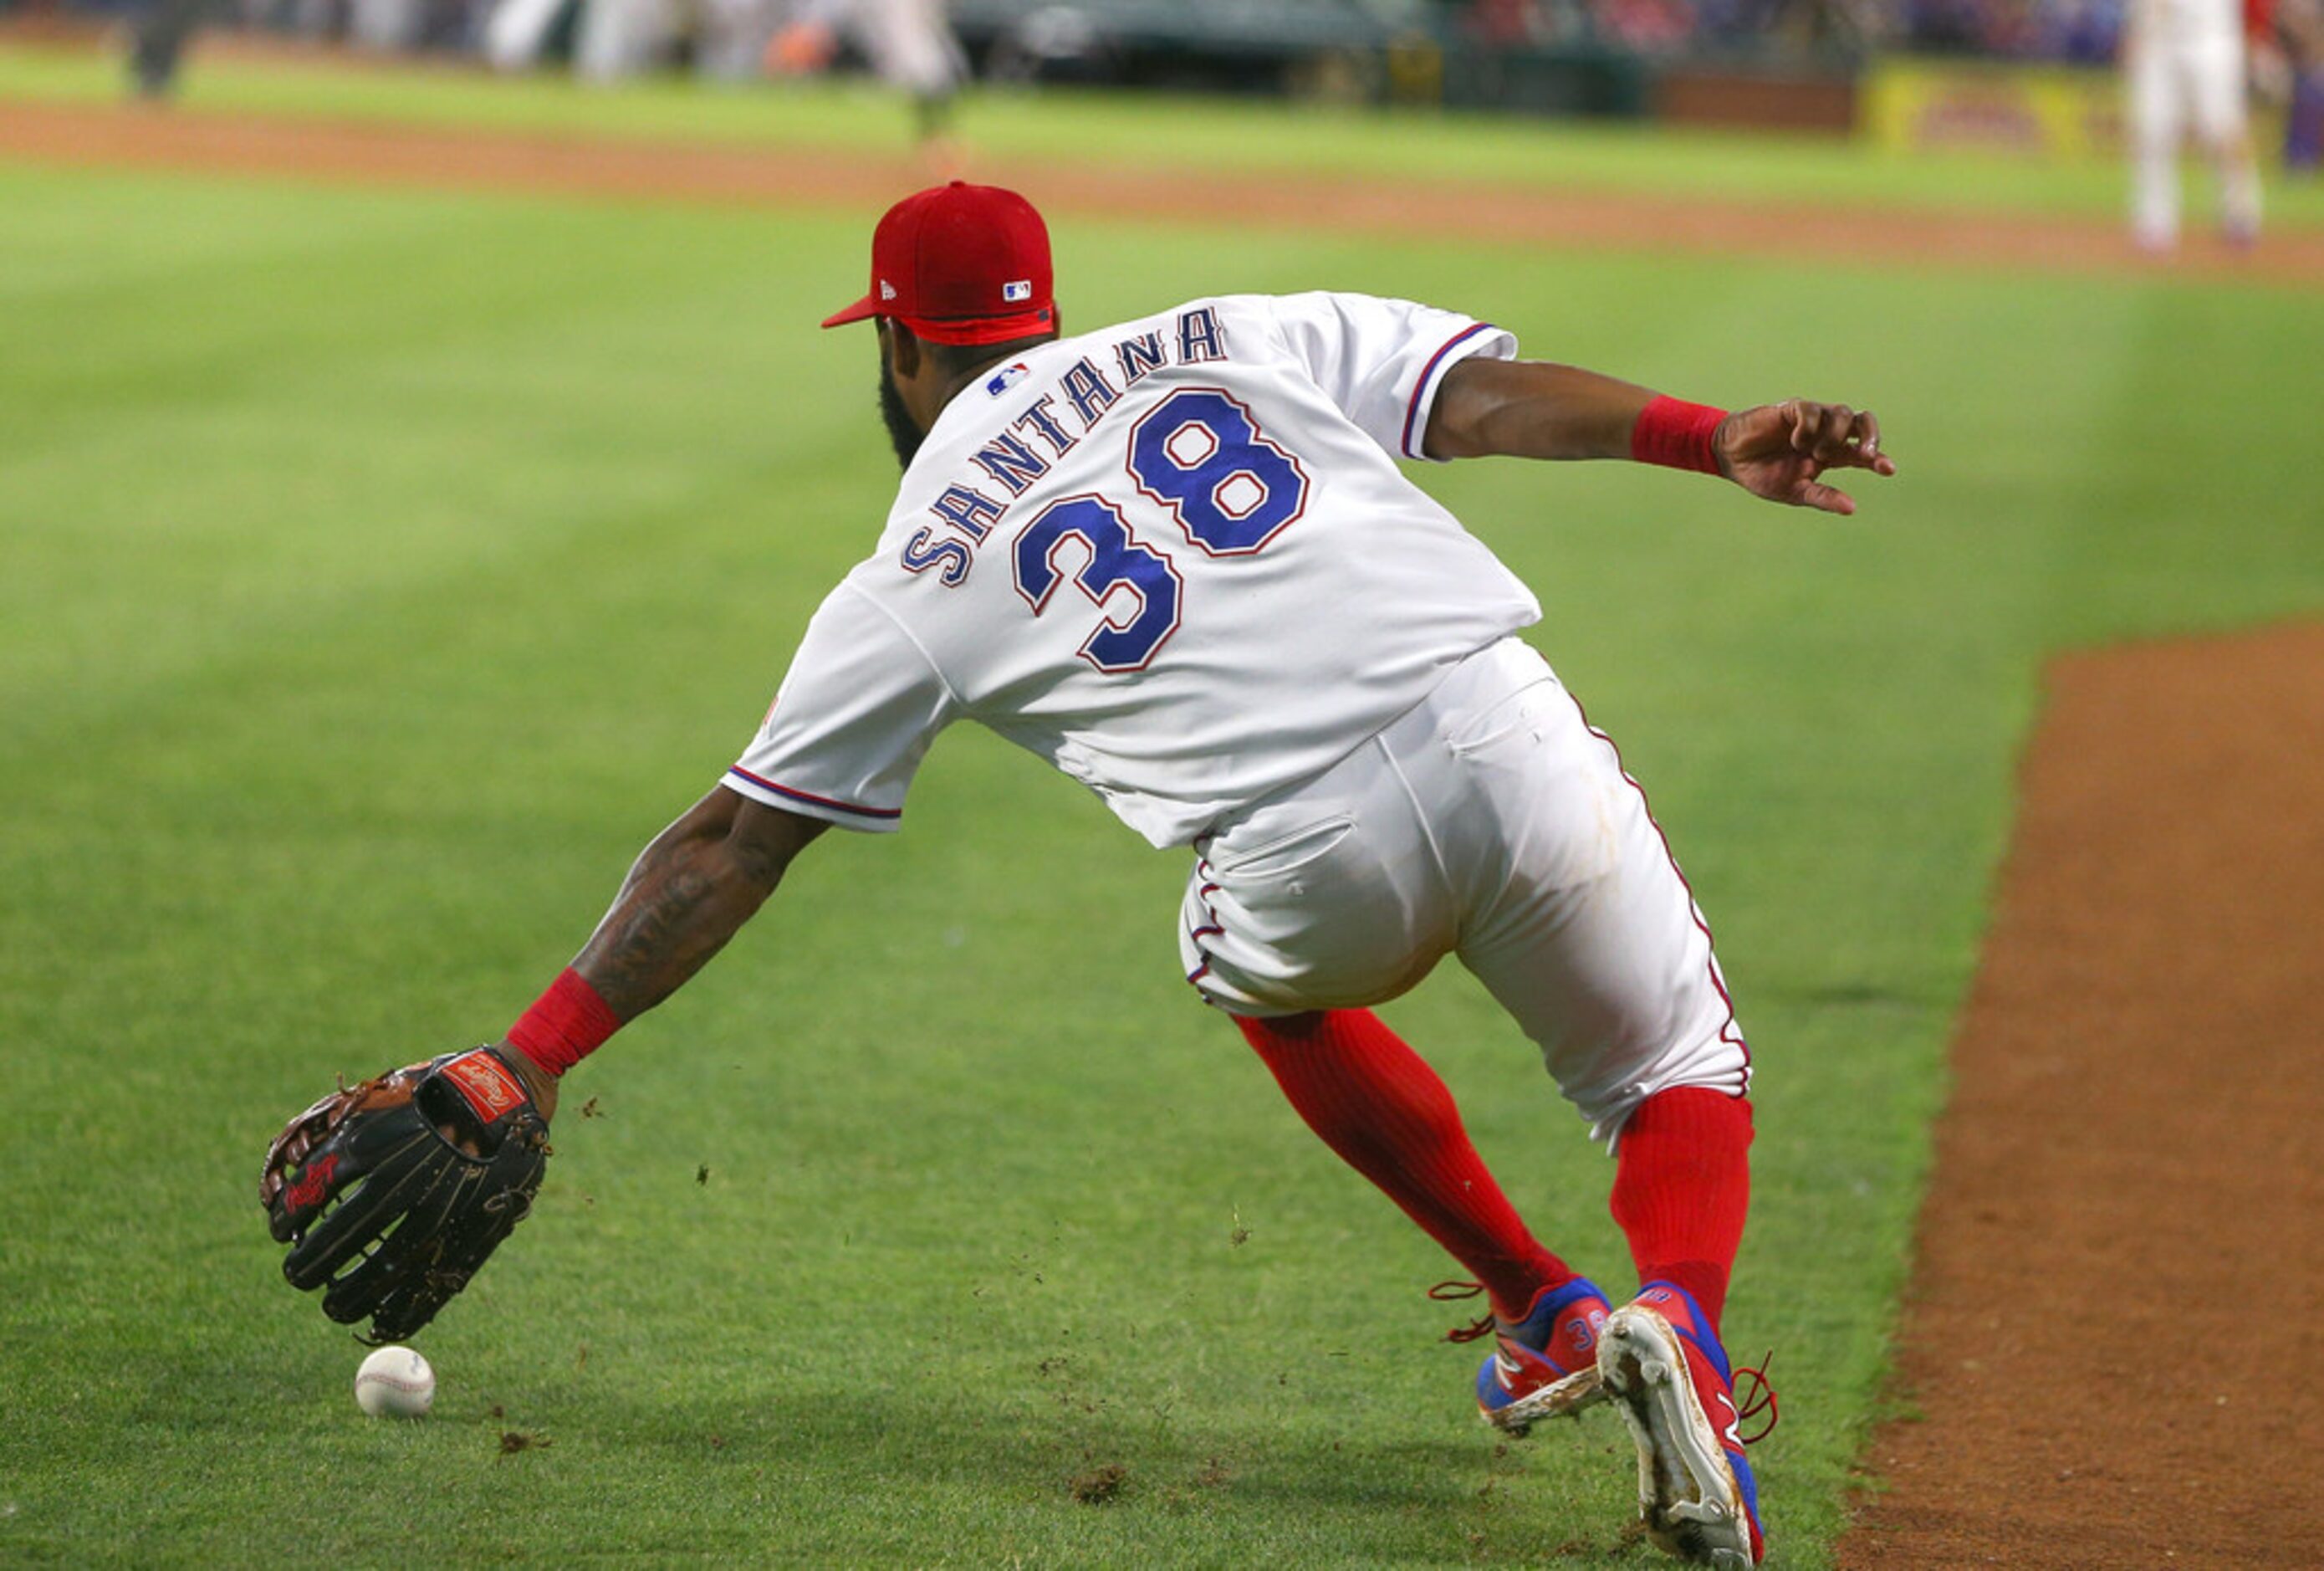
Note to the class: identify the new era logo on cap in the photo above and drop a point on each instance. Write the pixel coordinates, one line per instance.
(1016, 290)
(887, 290)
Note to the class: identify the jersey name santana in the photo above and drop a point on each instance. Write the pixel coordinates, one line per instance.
(1175, 558)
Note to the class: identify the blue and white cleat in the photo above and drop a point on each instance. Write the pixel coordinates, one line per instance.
(1546, 1364)
(1664, 1367)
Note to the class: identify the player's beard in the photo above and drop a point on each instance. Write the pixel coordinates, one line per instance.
(902, 434)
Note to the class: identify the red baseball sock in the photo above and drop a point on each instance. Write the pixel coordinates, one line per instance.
(1682, 1184)
(1376, 1103)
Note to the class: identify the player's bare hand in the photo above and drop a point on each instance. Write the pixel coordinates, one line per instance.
(1779, 450)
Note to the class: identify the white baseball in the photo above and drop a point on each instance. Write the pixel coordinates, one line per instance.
(395, 1382)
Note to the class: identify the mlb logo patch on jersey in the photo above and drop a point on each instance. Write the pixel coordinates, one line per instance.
(1002, 380)
(1017, 290)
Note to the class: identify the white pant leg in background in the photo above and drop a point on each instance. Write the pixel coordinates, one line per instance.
(911, 45)
(2183, 76)
(620, 38)
(1493, 823)
(2158, 102)
(518, 31)
(2220, 109)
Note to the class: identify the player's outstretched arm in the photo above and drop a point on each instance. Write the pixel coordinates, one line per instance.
(390, 1221)
(690, 890)
(1531, 408)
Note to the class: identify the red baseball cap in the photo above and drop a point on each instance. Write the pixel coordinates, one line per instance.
(960, 264)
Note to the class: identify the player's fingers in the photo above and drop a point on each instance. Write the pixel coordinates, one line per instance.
(1834, 439)
(1823, 426)
(1803, 416)
(1825, 498)
(1864, 445)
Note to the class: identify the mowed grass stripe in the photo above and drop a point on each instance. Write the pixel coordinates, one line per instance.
(976, 1159)
(271, 431)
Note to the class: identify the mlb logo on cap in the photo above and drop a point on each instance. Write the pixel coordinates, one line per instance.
(960, 264)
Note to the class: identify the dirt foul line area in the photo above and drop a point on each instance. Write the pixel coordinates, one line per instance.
(1446, 210)
(2112, 1339)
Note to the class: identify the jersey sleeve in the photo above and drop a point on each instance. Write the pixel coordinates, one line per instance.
(1382, 361)
(853, 718)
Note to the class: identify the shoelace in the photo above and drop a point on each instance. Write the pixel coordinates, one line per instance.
(1453, 1293)
(1760, 1400)
(1751, 1400)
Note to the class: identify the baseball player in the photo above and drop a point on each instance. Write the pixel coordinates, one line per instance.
(158, 39)
(612, 39)
(909, 43)
(2184, 64)
(2302, 53)
(1177, 559)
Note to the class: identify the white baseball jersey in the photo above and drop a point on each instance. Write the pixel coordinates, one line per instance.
(1176, 558)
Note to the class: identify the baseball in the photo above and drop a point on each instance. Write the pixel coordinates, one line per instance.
(395, 1382)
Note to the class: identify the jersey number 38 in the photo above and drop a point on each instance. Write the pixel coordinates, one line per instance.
(1200, 457)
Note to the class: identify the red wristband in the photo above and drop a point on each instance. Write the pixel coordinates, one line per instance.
(565, 1024)
(1677, 434)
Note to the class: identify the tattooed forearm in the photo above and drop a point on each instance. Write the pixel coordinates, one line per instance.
(691, 890)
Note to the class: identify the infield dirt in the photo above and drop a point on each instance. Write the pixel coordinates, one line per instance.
(2111, 1349)
(1565, 221)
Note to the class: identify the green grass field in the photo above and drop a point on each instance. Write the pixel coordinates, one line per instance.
(379, 570)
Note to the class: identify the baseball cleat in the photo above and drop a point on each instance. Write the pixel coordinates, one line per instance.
(1664, 1367)
(1543, 1365)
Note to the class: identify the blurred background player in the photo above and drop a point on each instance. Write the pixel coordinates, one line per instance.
(909, 42)
(2300, 25)
(2184, 64)
(616, 39)
(157, 42)
(612, 39)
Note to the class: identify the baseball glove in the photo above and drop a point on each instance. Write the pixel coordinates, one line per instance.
(392, 1194)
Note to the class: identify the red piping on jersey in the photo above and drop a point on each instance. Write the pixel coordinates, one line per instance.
(811, 799)
(1427, 371)
(1196, 935)
(1731, 1032)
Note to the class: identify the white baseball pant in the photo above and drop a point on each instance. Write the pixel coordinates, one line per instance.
(2181, 78)
(1492, 822)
